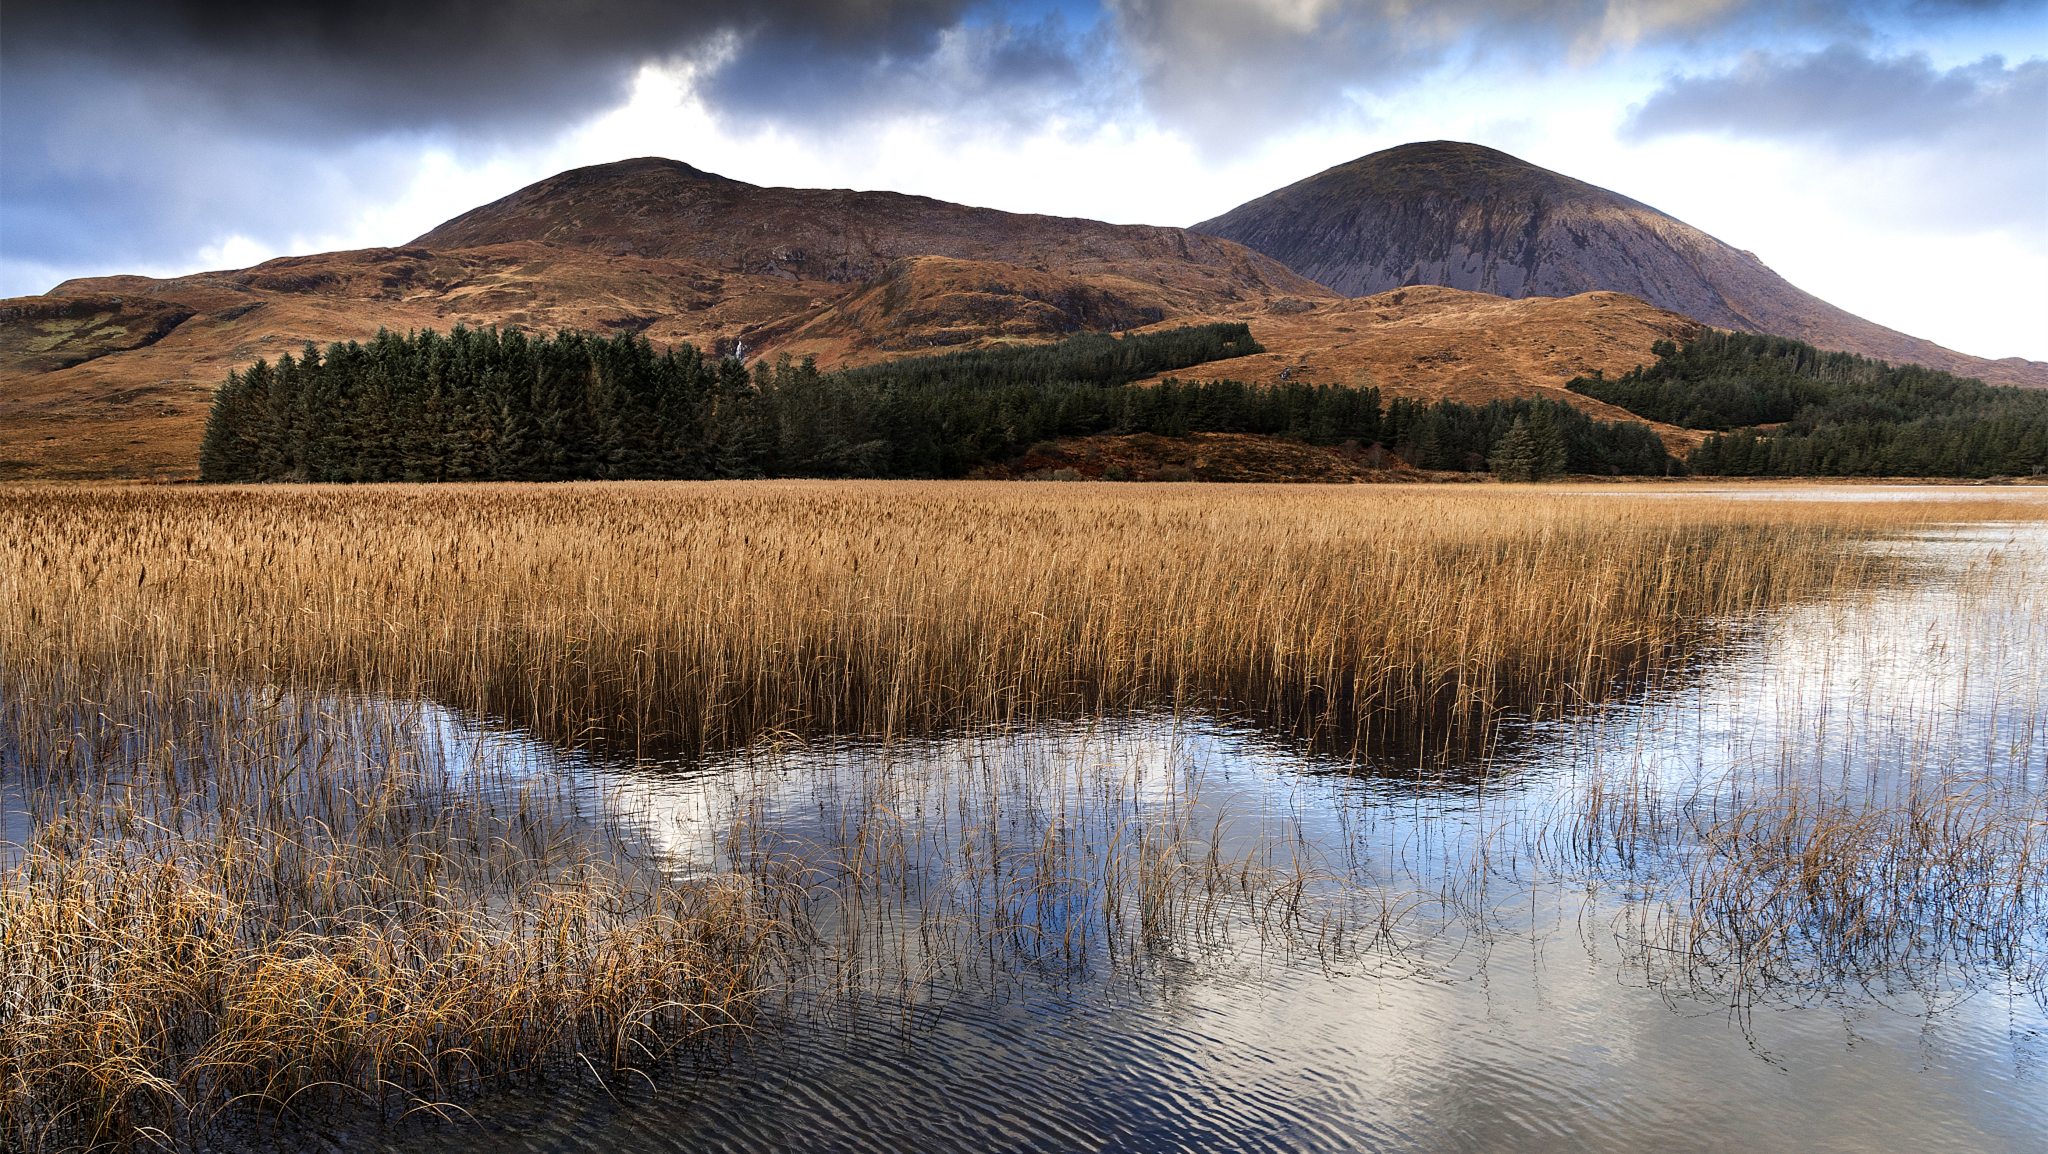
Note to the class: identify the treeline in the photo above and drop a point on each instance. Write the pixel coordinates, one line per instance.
(873, 423)
(1544, 439)
(481, 405)
(489, 405)
(1831, 414)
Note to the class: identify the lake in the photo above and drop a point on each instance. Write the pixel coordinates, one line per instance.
(1550, 943)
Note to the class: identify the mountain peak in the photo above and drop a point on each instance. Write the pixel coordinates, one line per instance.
(1458, 215)
(638, 166)
(1469, 217)
(660, 208)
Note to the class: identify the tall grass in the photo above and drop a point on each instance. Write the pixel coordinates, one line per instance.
(250, 868)
(697, 617)
(227, 897)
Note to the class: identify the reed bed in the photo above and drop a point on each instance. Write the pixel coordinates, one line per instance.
(251, 870)
(1881, 831)
(695, 617)
(228, 898)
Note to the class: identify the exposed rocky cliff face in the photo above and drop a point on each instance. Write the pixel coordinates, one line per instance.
(1467, 217)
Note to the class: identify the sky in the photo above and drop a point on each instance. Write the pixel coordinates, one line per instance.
(1890, 157)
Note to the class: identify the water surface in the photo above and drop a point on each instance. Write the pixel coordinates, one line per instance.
(1512, 1007)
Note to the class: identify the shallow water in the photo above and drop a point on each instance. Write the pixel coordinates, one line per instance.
(2026, 492)
(1521, 1013)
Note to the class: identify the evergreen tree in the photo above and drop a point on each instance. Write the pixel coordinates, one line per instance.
(232, 449)
(1832, 413)
(1547, 455)
(492, 405)
(1430, 452)
(1514, 458)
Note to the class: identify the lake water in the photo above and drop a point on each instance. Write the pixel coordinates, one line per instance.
(1517, 998)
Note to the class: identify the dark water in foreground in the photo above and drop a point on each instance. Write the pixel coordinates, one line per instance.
(1524, 1016)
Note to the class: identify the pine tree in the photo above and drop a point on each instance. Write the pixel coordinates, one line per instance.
(1514, 458)
(1430, 452)
(734, 429)
(232, 449)
(1547, 454)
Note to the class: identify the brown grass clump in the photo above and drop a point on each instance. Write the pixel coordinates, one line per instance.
(230, 900)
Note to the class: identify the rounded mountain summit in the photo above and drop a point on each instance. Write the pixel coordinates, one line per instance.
(1469, 217)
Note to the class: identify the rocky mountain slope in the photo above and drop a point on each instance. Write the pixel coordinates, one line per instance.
(1467, 217)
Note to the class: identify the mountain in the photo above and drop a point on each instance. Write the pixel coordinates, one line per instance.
(114, 376)
(653, 207)
(1467, 217)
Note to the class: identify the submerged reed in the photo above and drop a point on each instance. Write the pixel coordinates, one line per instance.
(231, 898)
(1825, 894)
(250, 869)
(1878, 829)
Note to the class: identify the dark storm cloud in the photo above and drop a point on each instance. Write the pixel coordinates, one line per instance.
(142, 131)
(977, 75)
(138, 133)
(1975, 137)
(376, 65)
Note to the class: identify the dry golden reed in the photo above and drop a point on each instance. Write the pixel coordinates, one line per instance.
(700, 616)
(247, 873)
(232, 898)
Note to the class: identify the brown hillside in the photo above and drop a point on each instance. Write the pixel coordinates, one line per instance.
(78, 402)
(1445, 344)
(1463, 216)
(113, 376)
(663, 208)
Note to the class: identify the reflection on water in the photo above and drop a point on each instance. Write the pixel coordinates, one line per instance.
(1517, 1002)
(1538, 1049)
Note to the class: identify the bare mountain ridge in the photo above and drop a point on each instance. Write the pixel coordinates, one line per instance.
(107, 376)
(112, 376)
(1469, 217)
(654, 207)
